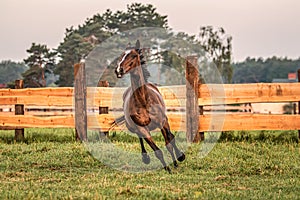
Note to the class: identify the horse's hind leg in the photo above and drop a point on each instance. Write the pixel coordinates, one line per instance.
(145, 156)
(169, 146)
(179, 154)
(158, 153)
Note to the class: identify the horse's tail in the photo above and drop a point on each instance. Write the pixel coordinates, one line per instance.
(119, 121)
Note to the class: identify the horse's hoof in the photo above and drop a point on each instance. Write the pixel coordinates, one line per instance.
(181, 157)
(175, 164)
(145, 158)
(167, 168)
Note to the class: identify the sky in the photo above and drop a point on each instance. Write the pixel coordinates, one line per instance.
(260, 28)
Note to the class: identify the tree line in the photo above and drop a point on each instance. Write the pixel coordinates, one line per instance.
(256, 70)
(44, 66)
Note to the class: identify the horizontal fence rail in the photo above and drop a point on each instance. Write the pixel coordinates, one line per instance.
(174, 96)
(238, 122)
(214, 94)
(39, 102)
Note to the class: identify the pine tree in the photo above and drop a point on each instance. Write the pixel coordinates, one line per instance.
(77, 45)
(40, 62)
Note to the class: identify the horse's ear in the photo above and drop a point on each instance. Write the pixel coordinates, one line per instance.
(137, 44)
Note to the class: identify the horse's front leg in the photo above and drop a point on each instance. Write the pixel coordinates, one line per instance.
(145, 156)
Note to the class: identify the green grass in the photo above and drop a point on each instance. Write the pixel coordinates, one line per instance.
(50, 164)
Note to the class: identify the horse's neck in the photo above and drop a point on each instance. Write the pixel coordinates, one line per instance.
(138, 86)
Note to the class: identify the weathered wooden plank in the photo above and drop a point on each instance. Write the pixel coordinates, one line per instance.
(53, 107)
(38, 100)
(23, 121)
(49, 91)
(217, 122)
(177, 121)
(49, 113)
(94, 121)
(8, 100)
(95, 97)
(212, 94)
(225, 108)
(176, 92)
(228, 122)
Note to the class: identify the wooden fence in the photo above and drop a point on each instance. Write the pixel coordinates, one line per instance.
(55, 107)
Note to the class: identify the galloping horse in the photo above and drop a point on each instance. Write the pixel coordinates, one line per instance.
(144, 108)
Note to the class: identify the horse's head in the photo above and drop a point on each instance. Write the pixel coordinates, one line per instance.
(128, 60)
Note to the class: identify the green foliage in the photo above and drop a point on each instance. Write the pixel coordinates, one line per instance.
(74, 48)
(177, 48)
(172, 48)
(77, 43)
(41, 61)
(259, 70)
(11, 71)
(212, 46)
(218, 45)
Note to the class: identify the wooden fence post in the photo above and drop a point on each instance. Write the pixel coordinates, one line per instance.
(80, 102)
(19, 110)
(192, 107)
(201, 112)
(299, 102)
(103, 110)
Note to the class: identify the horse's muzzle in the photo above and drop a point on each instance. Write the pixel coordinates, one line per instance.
(119, 73)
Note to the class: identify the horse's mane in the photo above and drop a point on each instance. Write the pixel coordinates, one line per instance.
(145, 70)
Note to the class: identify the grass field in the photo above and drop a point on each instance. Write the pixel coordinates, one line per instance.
(50, 164)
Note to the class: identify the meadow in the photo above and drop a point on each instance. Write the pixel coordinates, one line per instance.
(51, 164)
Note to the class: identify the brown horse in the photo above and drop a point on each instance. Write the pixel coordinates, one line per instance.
(144, 108)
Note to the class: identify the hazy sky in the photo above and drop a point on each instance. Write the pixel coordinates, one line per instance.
(260, 28)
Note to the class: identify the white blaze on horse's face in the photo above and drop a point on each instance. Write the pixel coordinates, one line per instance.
(119, 70)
